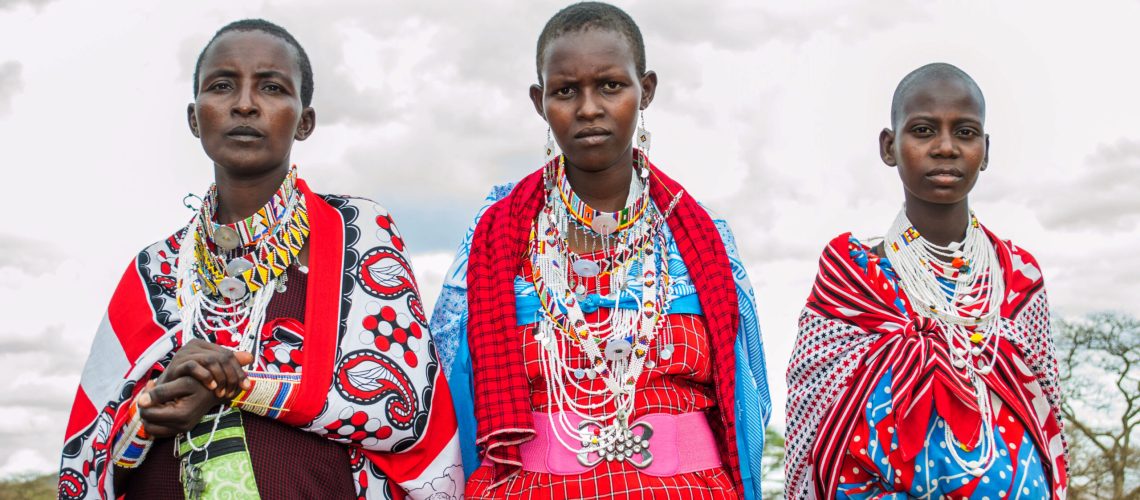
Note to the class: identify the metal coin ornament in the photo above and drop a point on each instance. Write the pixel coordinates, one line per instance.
(617, 349)
(232, 288)
(586, 268)
(226, 238)
(667, 352)
(237, 267)
(604, 224)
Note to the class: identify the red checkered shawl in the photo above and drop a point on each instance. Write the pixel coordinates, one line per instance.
(852, 331)
(498, 250)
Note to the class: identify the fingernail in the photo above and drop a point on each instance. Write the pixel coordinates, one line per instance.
(246, 384)
(213, 385)
(144, 399)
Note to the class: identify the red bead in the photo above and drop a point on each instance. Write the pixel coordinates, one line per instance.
(958, 262)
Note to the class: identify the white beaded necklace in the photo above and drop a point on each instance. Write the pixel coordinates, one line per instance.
(964, 299)
(616, 349)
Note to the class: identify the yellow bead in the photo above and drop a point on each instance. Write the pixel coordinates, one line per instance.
(977, 338)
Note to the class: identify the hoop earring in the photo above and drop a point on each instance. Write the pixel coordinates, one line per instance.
(644, 139)
(549, 146)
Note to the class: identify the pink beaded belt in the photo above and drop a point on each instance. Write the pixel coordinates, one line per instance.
(657, 444)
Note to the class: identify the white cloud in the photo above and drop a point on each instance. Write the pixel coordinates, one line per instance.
(768, 113)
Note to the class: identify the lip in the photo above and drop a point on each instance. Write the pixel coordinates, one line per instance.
(244, 133)
(592, 136)
(944, 176)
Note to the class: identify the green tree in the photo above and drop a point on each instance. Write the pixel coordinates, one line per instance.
(1099, 359)
(772, 468)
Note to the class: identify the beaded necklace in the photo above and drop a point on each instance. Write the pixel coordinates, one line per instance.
(615, 349)
(964, 299)
(225, 280)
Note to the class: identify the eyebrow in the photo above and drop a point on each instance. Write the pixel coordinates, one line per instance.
(930, 117)
(229, 73)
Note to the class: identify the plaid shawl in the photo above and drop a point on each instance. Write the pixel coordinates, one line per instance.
(858, 324)
(498, 250)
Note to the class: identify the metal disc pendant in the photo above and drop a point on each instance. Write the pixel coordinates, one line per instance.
(586, 268)
(237, 267)
(617, 349)
(226, 238)
(667, 352)
(604, 224)
(232, 288)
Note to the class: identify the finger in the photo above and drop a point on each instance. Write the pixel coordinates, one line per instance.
(192, 368)
(143, 400)
(235, 375)
(158, 430)
(164, 393)
(243, 358)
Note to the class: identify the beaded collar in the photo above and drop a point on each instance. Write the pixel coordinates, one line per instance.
(246, 232)
(604, 223)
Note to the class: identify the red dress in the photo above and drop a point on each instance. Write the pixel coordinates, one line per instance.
(681, 384)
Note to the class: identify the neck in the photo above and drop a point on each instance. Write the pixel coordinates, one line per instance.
(242, 196)
(939, 223)
(605, 189)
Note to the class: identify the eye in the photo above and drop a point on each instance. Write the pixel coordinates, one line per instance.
(968, 132)
(612, 86)
(220, 86)
(922, 130)
(564, 92)
(273, 87)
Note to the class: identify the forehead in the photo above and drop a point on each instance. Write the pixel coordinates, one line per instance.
(251, 50)
(943, 94)
(589, 50)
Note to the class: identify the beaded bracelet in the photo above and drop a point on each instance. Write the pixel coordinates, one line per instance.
(269, 394)
(132, 442)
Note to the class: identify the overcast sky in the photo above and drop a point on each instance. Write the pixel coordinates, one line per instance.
(769, 114)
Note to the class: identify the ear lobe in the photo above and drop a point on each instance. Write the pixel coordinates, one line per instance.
(648, 88)
(192, 120)
(536, 99)
(886, 147)
(307, 124)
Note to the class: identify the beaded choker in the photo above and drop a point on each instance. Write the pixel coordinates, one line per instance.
(604, 223)
(225, 285)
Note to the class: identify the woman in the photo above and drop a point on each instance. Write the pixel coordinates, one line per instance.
(924, 366)
(598, 323)
(277, 345)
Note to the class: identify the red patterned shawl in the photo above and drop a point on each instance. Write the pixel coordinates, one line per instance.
(852, 332)
(498, 250)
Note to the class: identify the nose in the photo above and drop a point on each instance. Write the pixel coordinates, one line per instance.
(944, 146)
(591, 108)
(246, 103)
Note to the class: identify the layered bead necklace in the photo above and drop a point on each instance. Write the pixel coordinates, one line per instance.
(960, 287)
(616, 348)
(227, 273)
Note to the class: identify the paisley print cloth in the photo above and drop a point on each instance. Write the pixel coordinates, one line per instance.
(371, 379)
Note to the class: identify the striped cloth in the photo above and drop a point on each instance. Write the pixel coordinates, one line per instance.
(858, 326)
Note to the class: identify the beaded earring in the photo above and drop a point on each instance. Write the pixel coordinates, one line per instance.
(549, 146)
(644, 139)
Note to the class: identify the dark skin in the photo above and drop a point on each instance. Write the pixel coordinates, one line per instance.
(939, 149)
(247, 115)
(590, 97)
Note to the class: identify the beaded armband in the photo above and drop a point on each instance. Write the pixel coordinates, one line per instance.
(269, 394)
(132, 442)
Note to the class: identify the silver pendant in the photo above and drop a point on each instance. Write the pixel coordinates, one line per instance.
(617, 349)
(604, 224)
(226, 238)
(237, 267)
(586, 268)
(192, 481)
(232, 288)
(667, 352)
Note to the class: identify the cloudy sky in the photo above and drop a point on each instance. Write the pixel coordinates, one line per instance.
(767, 111)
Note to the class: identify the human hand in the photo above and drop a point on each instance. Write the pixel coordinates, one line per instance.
(171, 408)
(218, 369)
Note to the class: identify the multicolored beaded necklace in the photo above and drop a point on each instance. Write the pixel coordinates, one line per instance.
(616, 349)
(226, 274)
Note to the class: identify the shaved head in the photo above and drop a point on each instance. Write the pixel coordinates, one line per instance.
(931, 73)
